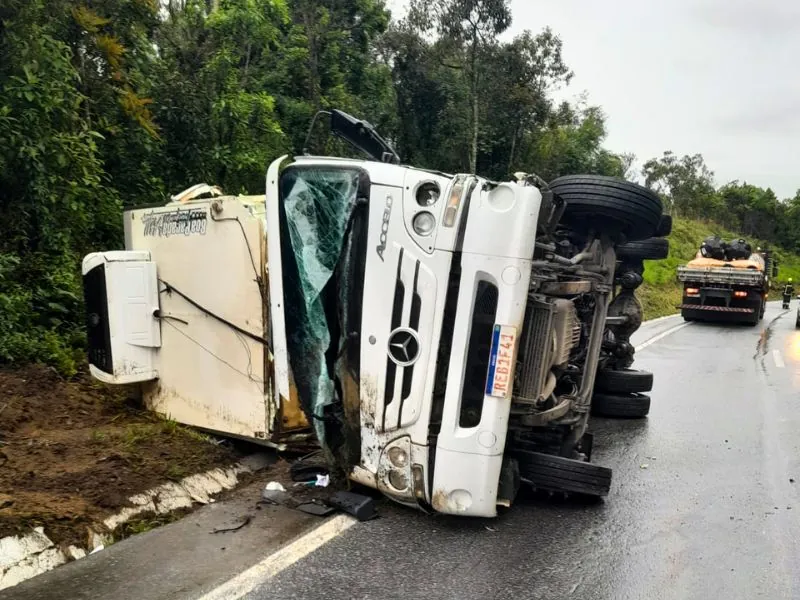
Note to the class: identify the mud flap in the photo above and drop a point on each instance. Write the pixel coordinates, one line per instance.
(509, 482)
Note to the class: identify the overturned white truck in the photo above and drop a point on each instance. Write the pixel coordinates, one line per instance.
(439, 333)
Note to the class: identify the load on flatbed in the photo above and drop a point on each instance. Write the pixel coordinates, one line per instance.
(726, 282)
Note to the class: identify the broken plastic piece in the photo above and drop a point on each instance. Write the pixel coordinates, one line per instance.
(316, 508)
(274, 486)
(197, 191)
(361, 507)
(305, 470)
(275, 496)
(323, 480)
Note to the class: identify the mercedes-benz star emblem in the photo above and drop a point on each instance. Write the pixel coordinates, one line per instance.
(403, 347)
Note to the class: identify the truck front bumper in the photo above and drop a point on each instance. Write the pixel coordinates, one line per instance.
(469, 449)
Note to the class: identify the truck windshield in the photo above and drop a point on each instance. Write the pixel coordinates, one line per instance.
(322, 234)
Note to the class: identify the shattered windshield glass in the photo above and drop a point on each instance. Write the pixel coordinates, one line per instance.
(318, 204)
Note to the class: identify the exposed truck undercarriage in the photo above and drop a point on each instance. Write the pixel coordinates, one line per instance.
(442, 335)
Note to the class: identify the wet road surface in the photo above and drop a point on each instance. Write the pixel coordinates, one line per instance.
(702, 505)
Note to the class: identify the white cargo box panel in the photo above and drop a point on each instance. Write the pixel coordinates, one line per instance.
(209, 256)
(122, 299)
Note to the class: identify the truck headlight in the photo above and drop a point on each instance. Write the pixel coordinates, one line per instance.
(427, 193)
(424, 223)
(398, 457)
(398, 480)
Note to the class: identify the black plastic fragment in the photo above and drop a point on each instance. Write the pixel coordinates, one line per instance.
(361, 507)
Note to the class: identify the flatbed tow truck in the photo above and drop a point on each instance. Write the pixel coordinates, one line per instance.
(726, 290)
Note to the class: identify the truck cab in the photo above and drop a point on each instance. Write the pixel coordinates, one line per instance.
(438, 334)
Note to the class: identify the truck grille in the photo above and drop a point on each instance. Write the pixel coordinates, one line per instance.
(535, 351)
(393, 398)
(98, 332)
(478, 350)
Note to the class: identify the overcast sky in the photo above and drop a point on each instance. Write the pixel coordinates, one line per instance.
(716, 77)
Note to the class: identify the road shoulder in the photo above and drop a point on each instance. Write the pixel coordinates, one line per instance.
(181, 560)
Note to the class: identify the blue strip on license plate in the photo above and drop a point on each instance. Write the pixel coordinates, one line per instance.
(501, 361)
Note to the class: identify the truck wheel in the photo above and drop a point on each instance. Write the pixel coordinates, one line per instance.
(756, 315)
(628, 406)
(618, 206)
(558, 474)
(623, 381)
(665, 226)
(650, 249)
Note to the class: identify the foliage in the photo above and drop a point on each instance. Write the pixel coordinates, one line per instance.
(112, 104)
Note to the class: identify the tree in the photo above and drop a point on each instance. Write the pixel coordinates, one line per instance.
(515, 97)
(686, 184)
(571, 142)
(468, 26)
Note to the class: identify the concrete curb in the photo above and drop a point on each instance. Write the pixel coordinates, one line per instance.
(25, 556)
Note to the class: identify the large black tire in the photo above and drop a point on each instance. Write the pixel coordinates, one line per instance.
(559, 474)
(627, 406)
(650, 249)
(756, 315)
(623, 381)
(614, 205)
(665, 226)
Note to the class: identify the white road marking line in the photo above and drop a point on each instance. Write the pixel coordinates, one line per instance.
(661, 336)
(659, 319)
(776, 355)
(285, 557)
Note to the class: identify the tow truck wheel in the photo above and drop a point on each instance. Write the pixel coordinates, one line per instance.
(650, 249)
(756, 315)
(628, 211)
(623, 381)
(566, 475)
(621, 406)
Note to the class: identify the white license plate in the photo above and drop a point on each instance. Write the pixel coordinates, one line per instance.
(501, 361)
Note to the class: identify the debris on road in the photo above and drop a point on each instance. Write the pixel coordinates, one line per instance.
(274, 486)
(275, 497)
(309, 467)
(316, 508)
(357, 505)
(235, 526)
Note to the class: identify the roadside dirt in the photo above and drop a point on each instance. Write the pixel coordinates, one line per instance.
(72, 452)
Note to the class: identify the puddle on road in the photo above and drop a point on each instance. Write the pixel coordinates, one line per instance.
(762, 347)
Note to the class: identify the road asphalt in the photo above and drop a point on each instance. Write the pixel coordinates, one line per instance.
(703, 505)
(703, 502)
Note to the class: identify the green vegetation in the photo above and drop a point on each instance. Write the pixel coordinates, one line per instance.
(112, 104)
(147, 521)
